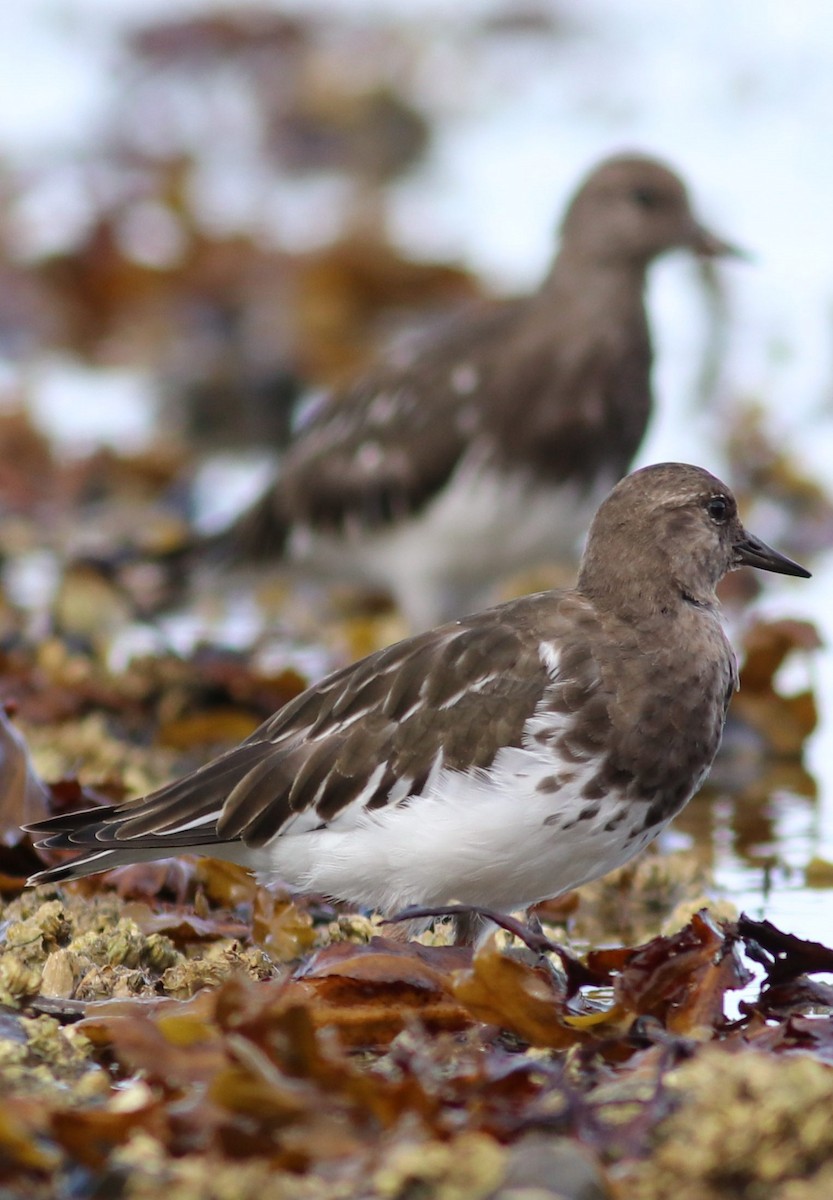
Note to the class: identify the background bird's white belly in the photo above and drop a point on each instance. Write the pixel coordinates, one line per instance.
(440, 562)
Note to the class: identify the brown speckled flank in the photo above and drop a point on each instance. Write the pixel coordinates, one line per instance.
(497, 760)
(501, 433)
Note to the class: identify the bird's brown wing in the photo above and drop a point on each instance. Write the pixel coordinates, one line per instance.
(366, 736)
(380, 450)
(579, 409)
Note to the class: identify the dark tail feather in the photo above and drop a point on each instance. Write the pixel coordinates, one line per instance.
(258, 535)
(102, 860)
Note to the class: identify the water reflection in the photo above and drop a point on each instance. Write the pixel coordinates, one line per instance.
(759, 839)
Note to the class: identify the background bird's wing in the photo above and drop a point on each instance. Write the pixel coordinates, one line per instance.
(380, 450)
(579, 409)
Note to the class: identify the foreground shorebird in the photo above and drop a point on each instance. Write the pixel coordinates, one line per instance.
(498, 760)
(489, 450)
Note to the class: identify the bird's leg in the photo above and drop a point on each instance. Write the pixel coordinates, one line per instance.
(470, 928)
(470, 921)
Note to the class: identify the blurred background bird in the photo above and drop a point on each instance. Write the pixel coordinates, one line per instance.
(486, 445)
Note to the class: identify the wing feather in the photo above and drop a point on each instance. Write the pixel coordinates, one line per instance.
(315, 756)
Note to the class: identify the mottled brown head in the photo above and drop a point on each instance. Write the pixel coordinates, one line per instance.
(632, 208)
(667, 533)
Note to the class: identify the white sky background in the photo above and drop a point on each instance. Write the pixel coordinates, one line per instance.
(738, 96)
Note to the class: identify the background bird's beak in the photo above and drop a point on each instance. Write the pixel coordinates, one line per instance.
(702, 241)
(752, 552)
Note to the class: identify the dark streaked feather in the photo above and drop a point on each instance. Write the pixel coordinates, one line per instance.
(314, 754)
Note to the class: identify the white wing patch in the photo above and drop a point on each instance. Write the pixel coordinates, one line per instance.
(209, 818)
(464, 379)
(551, 658)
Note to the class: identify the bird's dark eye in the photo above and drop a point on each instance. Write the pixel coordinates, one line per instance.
(718, 509)
(646, 197)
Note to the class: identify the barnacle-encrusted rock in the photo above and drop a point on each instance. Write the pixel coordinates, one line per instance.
(751, 1126)
(18, 982)
(124, 945)
(109, 982)
(37, 1055)
(61, 973)
(467, 1168)
(354, 927)
(40, 928)
(33, 929)
(215, 964)
(67, 946)
(88, 749)
(148, 1171)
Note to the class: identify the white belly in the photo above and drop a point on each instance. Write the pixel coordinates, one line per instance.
(494, 839)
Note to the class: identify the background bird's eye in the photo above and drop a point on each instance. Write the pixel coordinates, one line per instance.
(718, 509)
(646, 197)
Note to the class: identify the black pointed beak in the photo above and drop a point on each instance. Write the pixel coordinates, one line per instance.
(707, 244)
(752, 552)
